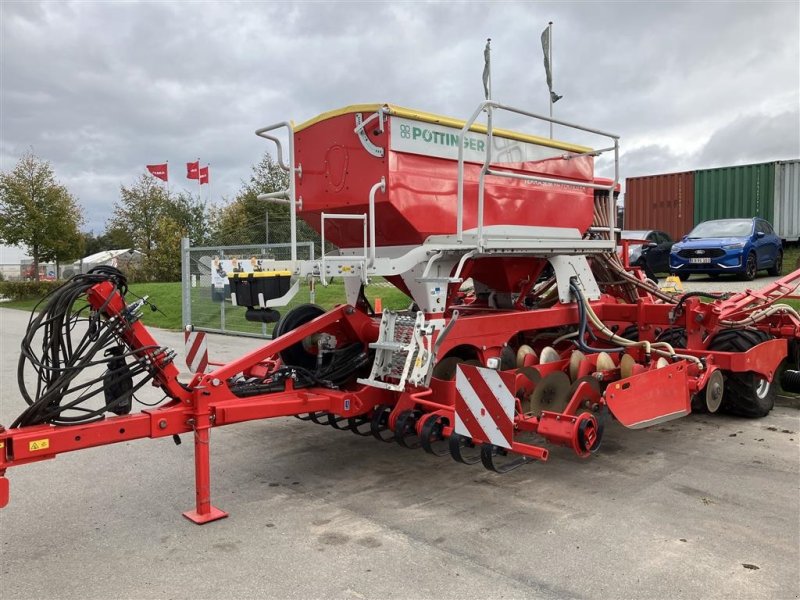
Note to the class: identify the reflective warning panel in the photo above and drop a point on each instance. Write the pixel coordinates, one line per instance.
(485, 405)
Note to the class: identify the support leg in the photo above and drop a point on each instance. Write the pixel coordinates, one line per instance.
(204, 512)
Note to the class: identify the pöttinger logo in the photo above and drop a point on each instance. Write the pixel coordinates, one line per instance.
(405, 131)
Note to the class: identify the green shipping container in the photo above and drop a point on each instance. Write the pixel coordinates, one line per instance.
(734, 192)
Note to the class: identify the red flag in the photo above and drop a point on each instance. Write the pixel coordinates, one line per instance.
(159, 171)
(192, 170)
(203, 174)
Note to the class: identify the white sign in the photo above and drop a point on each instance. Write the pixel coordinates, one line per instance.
(441, 141)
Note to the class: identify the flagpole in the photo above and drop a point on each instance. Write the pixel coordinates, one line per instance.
(199, 185)
(167, 181)
(550, 60)
(208, 194)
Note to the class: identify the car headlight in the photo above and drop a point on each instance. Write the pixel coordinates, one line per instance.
(676, 247)
(736, 246)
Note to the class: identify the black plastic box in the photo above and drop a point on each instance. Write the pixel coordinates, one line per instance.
(245, 287)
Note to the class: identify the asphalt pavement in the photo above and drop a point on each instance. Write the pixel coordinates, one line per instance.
(700, 507)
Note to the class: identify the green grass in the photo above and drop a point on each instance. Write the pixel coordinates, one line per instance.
(791, 254)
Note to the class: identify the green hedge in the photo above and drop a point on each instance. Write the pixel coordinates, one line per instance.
(24, 290)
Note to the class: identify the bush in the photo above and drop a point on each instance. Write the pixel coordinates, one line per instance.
(25, 290)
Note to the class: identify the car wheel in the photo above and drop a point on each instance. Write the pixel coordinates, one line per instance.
(778, 266)
(750, 268)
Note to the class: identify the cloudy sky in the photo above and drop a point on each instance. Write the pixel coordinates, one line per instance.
(102, 88)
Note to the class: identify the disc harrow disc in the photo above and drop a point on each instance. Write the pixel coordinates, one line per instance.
(551, 393)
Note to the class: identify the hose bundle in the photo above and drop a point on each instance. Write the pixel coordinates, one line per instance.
(333, 373)
(59, 355)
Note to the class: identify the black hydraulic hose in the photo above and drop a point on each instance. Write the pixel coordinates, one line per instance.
(688, 295)
(61, 359)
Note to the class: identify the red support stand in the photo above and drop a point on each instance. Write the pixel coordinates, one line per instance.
(204, 511)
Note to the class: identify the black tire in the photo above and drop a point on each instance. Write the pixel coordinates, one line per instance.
(750, 268)
(777, 267)
(675, 337)
(296, 355)
(746, 394)
(684, 276)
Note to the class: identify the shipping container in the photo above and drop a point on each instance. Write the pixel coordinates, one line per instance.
(663, 202)
(734, 192)
(786, 213)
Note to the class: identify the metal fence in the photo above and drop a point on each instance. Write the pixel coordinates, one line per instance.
(206, 298)
(25, 272)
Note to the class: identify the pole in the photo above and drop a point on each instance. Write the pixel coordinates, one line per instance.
(266, 226)
(208, 194)
(550, 60)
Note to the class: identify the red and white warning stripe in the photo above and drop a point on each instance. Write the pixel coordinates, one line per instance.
(484, 405)
(196, 350)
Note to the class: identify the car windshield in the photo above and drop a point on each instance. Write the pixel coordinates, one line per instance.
(722, 229)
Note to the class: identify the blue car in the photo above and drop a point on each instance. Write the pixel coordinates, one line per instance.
(741, 246)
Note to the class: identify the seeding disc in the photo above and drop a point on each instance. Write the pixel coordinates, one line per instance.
(551, 393)
(626, 366)
(549, 355)
(605, 362)
(524, 351)
(575, 360)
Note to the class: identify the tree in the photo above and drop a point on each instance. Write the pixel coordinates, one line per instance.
(243, 220)
(111, 239)
(137, 211)
(153, 220)
(39, 213)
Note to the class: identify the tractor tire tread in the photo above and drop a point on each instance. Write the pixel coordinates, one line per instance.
(740, 396)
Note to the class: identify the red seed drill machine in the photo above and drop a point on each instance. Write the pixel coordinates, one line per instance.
(525, 329)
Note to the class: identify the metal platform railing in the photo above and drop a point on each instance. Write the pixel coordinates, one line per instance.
(489, 106)
(285, 196)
